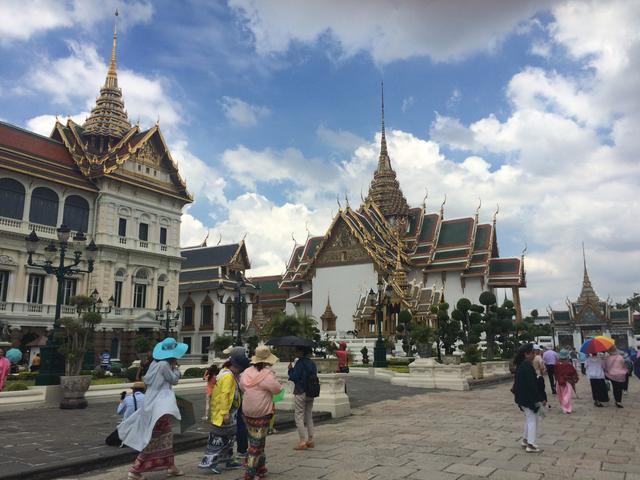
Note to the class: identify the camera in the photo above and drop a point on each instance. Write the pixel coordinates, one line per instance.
(122, 395)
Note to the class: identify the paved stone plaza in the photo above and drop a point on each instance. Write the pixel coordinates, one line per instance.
(453, 435)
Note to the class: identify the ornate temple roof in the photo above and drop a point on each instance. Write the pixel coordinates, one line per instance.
(587, 294)
(108, 118)
(328, 312)
(385, 189)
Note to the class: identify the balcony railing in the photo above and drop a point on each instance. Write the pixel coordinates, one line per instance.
(12, 224)
(47, 310)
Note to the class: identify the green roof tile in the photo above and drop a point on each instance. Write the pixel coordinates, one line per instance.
(452, 233)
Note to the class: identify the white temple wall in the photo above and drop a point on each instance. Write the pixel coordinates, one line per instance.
(344, 285)
(453, 290)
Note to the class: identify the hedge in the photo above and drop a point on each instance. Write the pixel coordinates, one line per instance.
(194, 372)
(16, 386)
(131, 373)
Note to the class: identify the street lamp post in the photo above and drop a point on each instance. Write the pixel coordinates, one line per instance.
(90, 354)
(168, 317)
(52, 366)
(239, 304)
(379, 300)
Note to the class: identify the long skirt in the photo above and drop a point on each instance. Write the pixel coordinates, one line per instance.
(257, 428)
(541, 389)
(219, 445)
(599, 390)
(158, 454)
(565, 397)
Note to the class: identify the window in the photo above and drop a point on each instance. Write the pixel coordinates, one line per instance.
(11, 198)
(143, 232)
(68, 290)
(76, 213)
(117, 294)
(187, 316)
(139, 168)
(187, 340)
(35, 289)
(160, 298)
(207, 315)
(146, 170)
(122, 227)
(206, 341)
(4, 285)
(163, 236)
(44, 207)
(115, 348)
(139, 295)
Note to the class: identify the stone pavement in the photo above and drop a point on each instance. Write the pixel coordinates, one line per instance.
(452, 435)
(46, 438)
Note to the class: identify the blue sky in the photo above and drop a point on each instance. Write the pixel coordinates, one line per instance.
(272, 108)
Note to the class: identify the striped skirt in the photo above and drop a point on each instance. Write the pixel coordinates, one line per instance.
(158, 455)
(257, 429)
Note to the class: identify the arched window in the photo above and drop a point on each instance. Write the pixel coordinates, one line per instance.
(76, 213)
(11, 198)
(206, 313)
(44, 207)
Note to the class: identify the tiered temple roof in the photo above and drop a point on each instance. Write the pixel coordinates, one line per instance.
(205, 268)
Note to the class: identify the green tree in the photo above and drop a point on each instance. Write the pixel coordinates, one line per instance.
(449, 330)
(470, 318)
(221, 342)
(76, 333)
(282, 325)
(496, 323)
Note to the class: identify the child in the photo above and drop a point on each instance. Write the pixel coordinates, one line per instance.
(566, 377)
(209, 377)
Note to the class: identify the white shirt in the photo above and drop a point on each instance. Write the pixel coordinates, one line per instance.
(594, 368)
(128, 406)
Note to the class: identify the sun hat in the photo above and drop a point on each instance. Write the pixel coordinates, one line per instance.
(263, 355)
(238, 358)
(536, 346)
(227, 351)
(169, 348)
(564, 354)
(139, 385)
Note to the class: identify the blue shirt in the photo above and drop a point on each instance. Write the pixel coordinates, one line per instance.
(300, 373)
(128, 406)
(106, 358)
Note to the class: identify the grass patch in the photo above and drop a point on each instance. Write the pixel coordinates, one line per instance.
(399, 368)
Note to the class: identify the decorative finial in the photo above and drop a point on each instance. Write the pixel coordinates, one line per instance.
(244, 236)
(112, 80)
(338, 200)
(346, 199)
(295, 242)
(219, 239)
(362, 196)
(524, 250)
(158, 120)
(383, 141)
(496, 212)
(479, 206)
(204, 242)
(424, 200)
(584, 259)
(442, 206)
(306, 227)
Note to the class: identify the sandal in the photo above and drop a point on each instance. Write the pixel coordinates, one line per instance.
(301, 446)
(175, 473)
(134, 476)
(310, 443)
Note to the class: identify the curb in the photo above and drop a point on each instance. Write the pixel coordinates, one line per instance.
(488, 382)
(181, 443)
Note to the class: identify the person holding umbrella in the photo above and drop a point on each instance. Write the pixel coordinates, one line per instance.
(594, 367)
(148, 429)
(616, 371)
(566, 378)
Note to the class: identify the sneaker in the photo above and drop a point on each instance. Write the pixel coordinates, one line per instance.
(523, 443)
(532, 449)
(204, 463)
(215, 469)
(233, 465)
(242, 455)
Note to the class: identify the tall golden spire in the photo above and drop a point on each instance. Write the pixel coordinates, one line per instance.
(587, 294)
(108, 119)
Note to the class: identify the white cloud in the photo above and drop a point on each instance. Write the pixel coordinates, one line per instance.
(43, 124)
(388, 30)
(21, 19)
(407, 103)
(192, 230)
(241, 113)
(342, 140)
(454, 99)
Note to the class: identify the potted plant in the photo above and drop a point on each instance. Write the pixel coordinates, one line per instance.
(423, 336)
(74, 336)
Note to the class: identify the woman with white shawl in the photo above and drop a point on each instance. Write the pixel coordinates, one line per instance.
(148, 430)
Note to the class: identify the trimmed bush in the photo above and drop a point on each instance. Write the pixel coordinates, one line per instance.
(27, 375)
(116, 371)
(194, 372)
(98, 372)
(131, 373)
(16, 386)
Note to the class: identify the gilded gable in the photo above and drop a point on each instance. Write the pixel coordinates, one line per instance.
(342, 248)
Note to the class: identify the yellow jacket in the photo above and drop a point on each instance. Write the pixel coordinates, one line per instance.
(224, 397)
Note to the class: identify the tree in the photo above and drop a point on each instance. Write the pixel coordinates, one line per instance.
(496, 322)
(221, 342)
(449, 330)
(470, 321)
(282, 325)
(75, 333)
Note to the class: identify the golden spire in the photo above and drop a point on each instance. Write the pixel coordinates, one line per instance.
(588, 294)
(383, 140)
(112, 76)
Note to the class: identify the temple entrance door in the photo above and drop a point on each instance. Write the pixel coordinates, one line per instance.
(622, 341)
(590, 332)
(565, 341)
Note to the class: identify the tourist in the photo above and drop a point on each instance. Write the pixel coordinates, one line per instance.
(210, 378)
(566, 378)
(550, 358)
(616, 371)
(343, 358)
(242, 437)
(5, 368)
(105, 360)
(582, 358)
(148, 430)
(527, 396)
(259, 384)
(303, 405)
(538, 365)
(595, 374)
(35, 363)
(129, 403)
(225, 402)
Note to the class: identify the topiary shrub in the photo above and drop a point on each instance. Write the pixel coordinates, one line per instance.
(116, 371)
(16, 386)
(131, 373)
(27, 375)
(194, 372)
(98, 372)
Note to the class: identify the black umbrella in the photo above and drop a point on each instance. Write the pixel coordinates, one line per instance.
(290, 341)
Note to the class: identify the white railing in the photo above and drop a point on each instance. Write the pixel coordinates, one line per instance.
(163, 248)
(35, 307)
(123, 240)
(143, 244)
(46, 229)
(10, 222)
(47, 310)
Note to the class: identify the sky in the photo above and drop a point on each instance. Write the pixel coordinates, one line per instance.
(272, 109)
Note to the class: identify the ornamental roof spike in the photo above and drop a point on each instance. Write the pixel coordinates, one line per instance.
(338, 200)
(383, 139)
(424, 200)
(496, 212)
(524, 250)
(442, 206)
(479, 206)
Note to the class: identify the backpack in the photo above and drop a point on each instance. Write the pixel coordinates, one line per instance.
(312, 385)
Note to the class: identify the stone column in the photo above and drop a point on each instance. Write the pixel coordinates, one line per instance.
(515, 291)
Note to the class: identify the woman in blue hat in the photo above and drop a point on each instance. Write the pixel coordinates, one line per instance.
(148, 429)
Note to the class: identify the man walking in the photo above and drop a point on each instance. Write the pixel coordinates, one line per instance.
(550, 358)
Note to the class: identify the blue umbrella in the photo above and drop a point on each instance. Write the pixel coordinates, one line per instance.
(14, 355)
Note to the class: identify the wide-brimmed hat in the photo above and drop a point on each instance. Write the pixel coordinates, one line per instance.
(564, 354)
(536, 347)
(238, 358)
(263, 355)
(139, 385)
(169, 348)
(227, 351)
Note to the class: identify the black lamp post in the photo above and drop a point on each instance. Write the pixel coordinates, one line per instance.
(379, 300)
(90, 354)
(239, 303)
(52, 366)
(168, 317)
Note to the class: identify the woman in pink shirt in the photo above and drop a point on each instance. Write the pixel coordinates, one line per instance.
(616, 371)
(5, 369)
(259, 384)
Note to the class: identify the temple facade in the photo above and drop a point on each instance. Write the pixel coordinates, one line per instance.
(422, 256)
(113, 181)
(589, 316)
